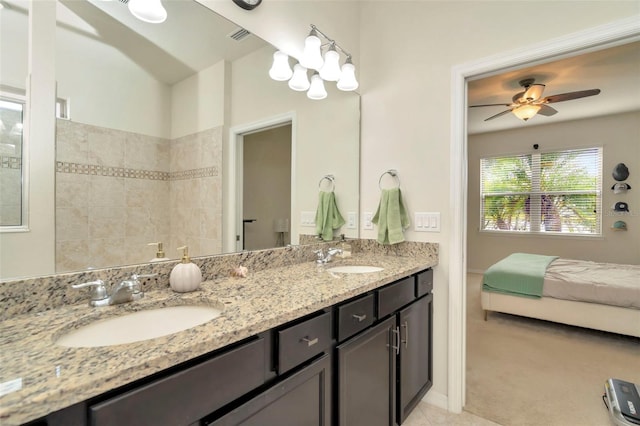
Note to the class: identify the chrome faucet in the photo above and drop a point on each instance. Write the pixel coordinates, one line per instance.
(127, 291)
(322, 258)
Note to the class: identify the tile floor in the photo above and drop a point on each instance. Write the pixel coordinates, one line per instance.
(429, 415)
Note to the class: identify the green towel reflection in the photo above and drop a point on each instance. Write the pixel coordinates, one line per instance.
(391, 217)
(328, 217)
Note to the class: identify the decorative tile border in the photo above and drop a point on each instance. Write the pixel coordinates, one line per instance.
(7, 162)
(122, 172)
(194, 173)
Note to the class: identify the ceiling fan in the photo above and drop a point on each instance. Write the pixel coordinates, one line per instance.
(530, 102)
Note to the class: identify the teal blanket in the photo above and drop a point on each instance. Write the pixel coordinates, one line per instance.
(518, 274)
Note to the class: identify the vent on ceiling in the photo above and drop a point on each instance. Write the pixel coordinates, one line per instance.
(238, 35)
(124, 1)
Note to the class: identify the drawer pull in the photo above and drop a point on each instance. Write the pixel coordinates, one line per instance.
(360, 318)
(310, 342)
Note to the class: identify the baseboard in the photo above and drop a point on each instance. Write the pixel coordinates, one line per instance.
(438, 399)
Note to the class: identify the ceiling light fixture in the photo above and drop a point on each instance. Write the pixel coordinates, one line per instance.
(150, 11)
(525, 112)
(324, 69)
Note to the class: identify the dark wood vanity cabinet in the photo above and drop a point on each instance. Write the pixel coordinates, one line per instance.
(367, 361)
(385, 371)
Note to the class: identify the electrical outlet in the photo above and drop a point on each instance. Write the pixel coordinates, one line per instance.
(366, 219)
(352, 220)
(308, 219)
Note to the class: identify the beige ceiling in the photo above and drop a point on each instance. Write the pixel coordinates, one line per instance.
(615, 71)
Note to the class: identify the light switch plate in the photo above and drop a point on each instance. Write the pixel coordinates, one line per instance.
(426, 222)
(352, 222)
(366, 220)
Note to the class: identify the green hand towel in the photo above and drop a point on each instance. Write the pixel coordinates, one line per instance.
(391, 217)
(328, 217)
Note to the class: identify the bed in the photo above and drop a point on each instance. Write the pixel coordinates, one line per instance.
(600, 296)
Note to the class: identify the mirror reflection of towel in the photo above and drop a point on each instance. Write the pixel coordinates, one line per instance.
(391, 217)
(328, 217)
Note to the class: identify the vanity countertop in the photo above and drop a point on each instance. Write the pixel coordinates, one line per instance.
(47, 377)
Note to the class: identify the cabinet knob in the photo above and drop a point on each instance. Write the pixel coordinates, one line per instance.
(310, 342)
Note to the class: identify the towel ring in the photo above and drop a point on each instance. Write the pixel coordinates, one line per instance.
(331, 179)
(393, 173)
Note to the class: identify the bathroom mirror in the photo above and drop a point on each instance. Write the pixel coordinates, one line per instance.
(143, 154)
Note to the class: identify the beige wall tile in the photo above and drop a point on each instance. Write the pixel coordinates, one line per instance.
(72, 223)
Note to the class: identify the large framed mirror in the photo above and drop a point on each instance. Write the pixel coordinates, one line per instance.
(142, 143)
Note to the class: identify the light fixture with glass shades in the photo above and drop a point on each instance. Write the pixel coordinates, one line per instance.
(150, 11)
(525, 112)
(324, 67)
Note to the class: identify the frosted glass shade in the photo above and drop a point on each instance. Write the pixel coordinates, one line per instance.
(150, 11)
(299, 81)
(280, 69)
(525, 112)
(316, 90)
(348, 80)
(330, 70)
(311, 55)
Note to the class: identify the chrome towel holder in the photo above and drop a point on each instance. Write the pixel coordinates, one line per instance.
(331, 179)
(393, 173)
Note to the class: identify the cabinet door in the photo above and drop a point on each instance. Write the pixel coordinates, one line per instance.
(366, 374)
(303, 399)
(415, 363)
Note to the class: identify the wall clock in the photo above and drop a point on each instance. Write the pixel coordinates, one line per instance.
(248, 4)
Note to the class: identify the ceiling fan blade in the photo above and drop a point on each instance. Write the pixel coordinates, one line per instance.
(498, 115)
(547, 110)
(474, 106)
(571, 95)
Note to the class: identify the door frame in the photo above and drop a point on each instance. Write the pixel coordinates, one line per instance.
(233, 178)
(604, 36)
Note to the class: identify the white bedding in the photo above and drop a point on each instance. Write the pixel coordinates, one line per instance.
(604, 283)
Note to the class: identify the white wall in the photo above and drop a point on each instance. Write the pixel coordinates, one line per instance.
(198, 102)
(618, 135)
(406, 55)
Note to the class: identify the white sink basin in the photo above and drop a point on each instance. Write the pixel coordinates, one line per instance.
(138, 326)
(355, 269)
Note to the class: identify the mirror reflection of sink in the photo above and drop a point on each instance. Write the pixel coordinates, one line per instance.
(355, 269)
(138, 326)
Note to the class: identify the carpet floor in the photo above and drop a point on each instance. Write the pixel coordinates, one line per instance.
(523, 371)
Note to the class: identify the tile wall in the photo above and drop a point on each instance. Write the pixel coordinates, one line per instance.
(10, 189)
(116, 192)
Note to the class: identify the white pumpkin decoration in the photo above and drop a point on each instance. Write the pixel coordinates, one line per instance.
(185, 276)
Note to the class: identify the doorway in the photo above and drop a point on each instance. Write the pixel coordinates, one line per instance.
(266, 188)
(616, 33)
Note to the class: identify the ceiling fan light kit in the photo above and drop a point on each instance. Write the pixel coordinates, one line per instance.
(530, 102)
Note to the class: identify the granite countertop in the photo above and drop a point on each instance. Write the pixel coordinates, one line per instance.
(53, 377)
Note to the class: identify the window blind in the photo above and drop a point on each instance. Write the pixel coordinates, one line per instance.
(554, 192)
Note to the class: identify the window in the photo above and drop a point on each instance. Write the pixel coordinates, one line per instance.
(547, 193)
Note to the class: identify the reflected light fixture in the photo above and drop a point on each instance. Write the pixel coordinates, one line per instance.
(324, 69)
(280, 70)
(150, 11)
(525, 112)
(316, 90)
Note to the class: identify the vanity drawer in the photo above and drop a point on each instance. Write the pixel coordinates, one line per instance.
(424, 282)
(188, 395)
(303, 341)
(355, 316)
(395, 296)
